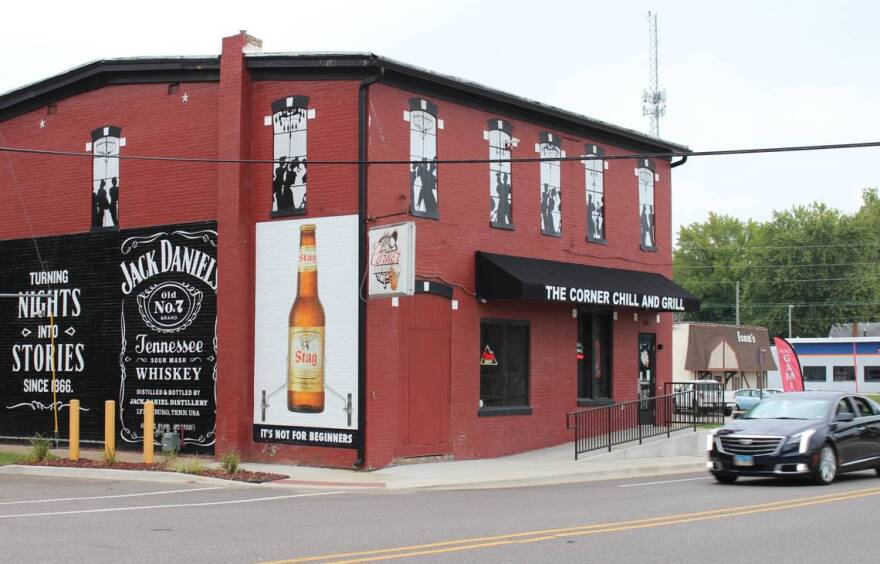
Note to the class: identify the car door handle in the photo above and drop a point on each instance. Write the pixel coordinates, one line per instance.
(862, 428)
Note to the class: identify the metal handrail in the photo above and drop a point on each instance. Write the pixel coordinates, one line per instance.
(636, 420)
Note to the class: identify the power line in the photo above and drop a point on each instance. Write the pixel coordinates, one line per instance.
(776, 247)
(789, 281)
(786, 304)
(580, 158)
(27, 215)
(745, 266)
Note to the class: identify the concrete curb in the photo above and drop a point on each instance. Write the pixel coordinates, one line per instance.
(593, 475)
(113, 474)
(394, 484)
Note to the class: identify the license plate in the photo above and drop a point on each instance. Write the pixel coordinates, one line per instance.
(743, 460)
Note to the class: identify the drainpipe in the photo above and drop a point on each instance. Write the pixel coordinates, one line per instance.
(363, 144)
(684, 159)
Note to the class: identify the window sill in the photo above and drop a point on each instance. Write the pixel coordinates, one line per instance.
(512, 410)
(507, 226)
(288, 212)
(587, 402)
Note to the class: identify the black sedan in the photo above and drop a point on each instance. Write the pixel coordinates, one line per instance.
(815, 435)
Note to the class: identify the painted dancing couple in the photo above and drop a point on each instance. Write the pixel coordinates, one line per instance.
(287, 175)
(426, 173)
(105, 204)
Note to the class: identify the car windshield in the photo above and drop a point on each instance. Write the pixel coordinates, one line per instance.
(789, 409)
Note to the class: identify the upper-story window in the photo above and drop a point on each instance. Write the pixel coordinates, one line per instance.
(594, 167)
(105, 145)
(290, 117)
(550, 147)
(500, 137)
(423, 126)
(647, 177)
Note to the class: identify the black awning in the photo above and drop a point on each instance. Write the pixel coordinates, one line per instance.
(509, 277)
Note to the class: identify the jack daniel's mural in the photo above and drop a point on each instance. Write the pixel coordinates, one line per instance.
(135, 320)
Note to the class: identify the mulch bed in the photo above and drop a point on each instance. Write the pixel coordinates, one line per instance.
(240, 476)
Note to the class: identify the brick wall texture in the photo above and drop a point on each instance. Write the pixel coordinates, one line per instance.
(226, 120)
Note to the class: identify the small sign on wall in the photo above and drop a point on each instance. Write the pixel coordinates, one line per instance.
(393, 260)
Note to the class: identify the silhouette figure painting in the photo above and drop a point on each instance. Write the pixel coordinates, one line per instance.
(550, 208)
(106, 142)
(289, 177)
(423, 179)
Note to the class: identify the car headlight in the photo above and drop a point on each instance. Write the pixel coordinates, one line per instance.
(801, 439)
(710, 440)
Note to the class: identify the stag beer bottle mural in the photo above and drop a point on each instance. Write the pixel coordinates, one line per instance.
(305, 353)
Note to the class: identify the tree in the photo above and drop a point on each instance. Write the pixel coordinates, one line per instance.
(811, 257)
(816, 258)
(709, 260)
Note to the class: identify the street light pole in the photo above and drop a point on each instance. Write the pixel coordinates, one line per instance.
(737, 302)
(790, 307)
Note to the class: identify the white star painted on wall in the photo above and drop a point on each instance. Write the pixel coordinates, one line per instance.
(184, 98)
(42, 123)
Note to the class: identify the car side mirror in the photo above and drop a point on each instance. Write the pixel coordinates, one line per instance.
(844, 417)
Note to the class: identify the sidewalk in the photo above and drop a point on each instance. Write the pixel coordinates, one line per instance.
(684, 452)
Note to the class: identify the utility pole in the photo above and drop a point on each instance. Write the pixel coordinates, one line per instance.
(737, 302)
(790, 307)
(653, 98)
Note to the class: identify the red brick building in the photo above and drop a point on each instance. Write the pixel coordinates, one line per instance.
(524, 309)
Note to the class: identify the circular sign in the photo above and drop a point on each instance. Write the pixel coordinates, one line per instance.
(169, 307)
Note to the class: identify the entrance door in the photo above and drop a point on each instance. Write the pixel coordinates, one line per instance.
(424, 381)
(647, 377)
(594, 356)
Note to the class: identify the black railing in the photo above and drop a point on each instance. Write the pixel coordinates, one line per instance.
(630, 421)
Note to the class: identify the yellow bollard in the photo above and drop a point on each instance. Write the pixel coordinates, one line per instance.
(74, 429)
(109, 429)
(148, 432)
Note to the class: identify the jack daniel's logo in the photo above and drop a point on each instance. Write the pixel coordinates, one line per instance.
(169, 258)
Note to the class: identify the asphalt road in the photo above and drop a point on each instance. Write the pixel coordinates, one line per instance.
(680, 518)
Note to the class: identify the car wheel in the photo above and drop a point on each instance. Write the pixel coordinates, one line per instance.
(724, 478)
(826, 469)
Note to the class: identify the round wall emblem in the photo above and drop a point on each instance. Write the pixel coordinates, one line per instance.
(169, 307)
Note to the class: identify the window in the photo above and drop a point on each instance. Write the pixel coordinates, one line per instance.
(504, 367)
(844, 374)
(550, 147)
(423, 125)
(863, 406)
(646, 204)
(814, 374)
(290, 117)
(105, 145)
(594, 359)
(843, 406)
(500, 180)
(595, 171)
(872, 374)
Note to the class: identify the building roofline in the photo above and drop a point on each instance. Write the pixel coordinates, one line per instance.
(396, 71)
(144, 70)
(93, 75)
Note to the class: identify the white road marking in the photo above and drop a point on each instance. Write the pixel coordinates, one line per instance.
(665, 482)
(172, 505)
(108, 496)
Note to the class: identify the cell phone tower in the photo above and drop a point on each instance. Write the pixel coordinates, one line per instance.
(653, 98)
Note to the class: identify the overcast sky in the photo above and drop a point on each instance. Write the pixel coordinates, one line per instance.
(737, 74)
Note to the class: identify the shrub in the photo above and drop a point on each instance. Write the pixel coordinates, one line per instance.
(40, 447)
(230, 462)
(169, 461)
(191, 467)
